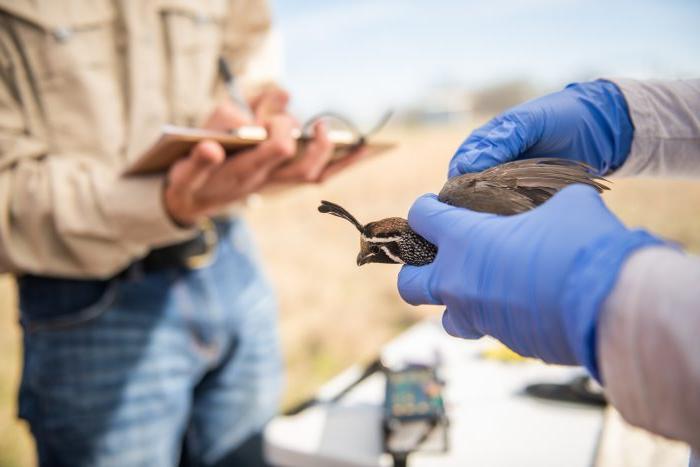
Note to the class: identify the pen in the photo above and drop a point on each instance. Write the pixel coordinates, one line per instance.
(255, 132)
(246, 131)
(232, 89)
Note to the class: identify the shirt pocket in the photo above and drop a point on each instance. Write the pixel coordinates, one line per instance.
(194, 37)
(72, 57)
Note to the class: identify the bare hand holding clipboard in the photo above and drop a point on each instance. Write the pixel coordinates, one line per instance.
(176, 142)
(211, 167)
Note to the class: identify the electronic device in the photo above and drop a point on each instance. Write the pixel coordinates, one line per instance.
(414, 411)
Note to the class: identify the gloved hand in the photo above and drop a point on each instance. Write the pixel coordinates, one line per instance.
(535, 281)
(587, 122)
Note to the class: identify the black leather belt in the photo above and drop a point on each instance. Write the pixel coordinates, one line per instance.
(70, 294)
(196, 253)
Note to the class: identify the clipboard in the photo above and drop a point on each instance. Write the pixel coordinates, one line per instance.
(176, 142)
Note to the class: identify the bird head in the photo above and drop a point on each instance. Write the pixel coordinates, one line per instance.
(388, 240)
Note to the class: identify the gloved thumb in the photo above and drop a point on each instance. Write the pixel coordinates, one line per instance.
(414, 285)
(460, 326)
(414, 288)
(432, 219)
(426, 215)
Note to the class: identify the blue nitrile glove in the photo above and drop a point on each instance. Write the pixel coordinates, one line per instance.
(587, 122)
(536, 281)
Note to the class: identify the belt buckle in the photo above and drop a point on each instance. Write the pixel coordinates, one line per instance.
(211, 239)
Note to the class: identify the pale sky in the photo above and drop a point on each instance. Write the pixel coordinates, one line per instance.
(361, 56)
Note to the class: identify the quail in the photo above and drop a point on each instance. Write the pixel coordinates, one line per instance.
(505, 189)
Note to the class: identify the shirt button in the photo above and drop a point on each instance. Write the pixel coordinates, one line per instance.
(62, 34)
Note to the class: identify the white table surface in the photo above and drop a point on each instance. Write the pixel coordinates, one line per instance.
(491, 422)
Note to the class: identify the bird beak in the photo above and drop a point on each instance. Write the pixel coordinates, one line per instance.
(364, 258)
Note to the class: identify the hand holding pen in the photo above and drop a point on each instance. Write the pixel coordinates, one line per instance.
(205, 181)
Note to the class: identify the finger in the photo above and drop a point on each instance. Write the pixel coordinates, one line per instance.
(501, 140)
(433, 220)
(191, 173)
(227, 116)
(272, 101)
(577, 191)
(414, 285)
(313, 159)
(578, 198)
(585, 202)
(278, 148)
(460, 325)
(335, 167)
(250, 169)
(280, 143)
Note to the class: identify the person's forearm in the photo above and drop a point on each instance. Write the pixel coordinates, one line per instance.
(649, 345)
(666, 118)
(72, 217)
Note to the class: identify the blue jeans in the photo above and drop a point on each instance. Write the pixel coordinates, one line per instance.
(122, 372)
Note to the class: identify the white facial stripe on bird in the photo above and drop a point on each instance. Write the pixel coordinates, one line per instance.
(381, 239)
(390, 255)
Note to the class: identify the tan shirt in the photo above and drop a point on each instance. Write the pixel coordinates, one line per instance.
(85, 86)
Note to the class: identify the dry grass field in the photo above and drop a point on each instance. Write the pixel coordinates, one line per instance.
(332, 313)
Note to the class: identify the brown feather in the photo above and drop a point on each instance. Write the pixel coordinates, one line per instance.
(517, 186)
(386, 227)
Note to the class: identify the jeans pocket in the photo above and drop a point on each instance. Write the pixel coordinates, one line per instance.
(52, 303)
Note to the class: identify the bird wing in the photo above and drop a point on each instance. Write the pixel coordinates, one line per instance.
(517, 186)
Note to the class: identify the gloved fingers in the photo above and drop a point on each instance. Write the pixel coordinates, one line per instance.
(583, 206)
(577, 190)
(459, 325)
(469, 146)
(414, 285)
(582, 199)
(432, 219)
(501, 140)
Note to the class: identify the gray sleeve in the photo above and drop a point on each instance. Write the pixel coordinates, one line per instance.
(666, 119)
(649, 343)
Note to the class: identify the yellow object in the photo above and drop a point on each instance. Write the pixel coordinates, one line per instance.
(501, 353)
